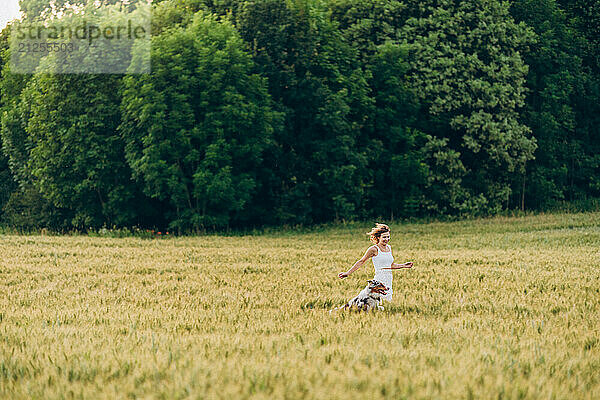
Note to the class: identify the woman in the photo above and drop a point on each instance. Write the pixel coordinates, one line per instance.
(383, 261)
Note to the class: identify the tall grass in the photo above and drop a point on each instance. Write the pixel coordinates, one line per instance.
(499, 308)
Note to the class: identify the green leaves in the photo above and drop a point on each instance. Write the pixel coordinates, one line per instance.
(466, 68)
(76, 157)
(297, 112)
(197, 126)
(562, 105)
(316, 79)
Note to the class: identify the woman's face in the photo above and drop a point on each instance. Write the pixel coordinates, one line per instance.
(384, 238)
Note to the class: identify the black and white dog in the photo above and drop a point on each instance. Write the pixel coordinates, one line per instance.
(367, 299)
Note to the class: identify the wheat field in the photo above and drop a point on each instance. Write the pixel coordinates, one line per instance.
(499, 308)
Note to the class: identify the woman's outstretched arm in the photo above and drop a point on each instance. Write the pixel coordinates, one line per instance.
(368, 254)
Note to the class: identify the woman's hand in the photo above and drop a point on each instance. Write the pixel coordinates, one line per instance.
(343, 275)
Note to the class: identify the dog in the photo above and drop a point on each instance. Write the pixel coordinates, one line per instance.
(368, 298)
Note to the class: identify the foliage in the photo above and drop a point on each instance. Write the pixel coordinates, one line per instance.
(467, 70)
(316, 79)
(584, 17)
(561, 109)
(7, 183)
(397, 158)
(77, 161)
(45, 9)
(367, 25)
(300, 112)
(197, 126)
(27, 209)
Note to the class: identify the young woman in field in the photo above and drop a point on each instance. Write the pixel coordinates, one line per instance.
(383, 261)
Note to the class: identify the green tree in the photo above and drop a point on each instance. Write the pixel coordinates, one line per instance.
(584, 16)
(7, 184)
(368, 24)
(14, 143)
(196, 128)
(397, 151)
(44, 9)
(22, 204)
(467, 69)
(396, 155)
(77, 158)
(561, 108)
(316, 80)
(62, 146)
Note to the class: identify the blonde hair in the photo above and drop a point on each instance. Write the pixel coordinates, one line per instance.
(377, 231)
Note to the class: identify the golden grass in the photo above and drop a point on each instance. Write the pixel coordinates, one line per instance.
(501, 308)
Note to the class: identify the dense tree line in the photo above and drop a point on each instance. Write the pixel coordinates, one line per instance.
(269, 112)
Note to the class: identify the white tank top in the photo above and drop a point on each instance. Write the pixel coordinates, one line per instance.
(381, 260)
